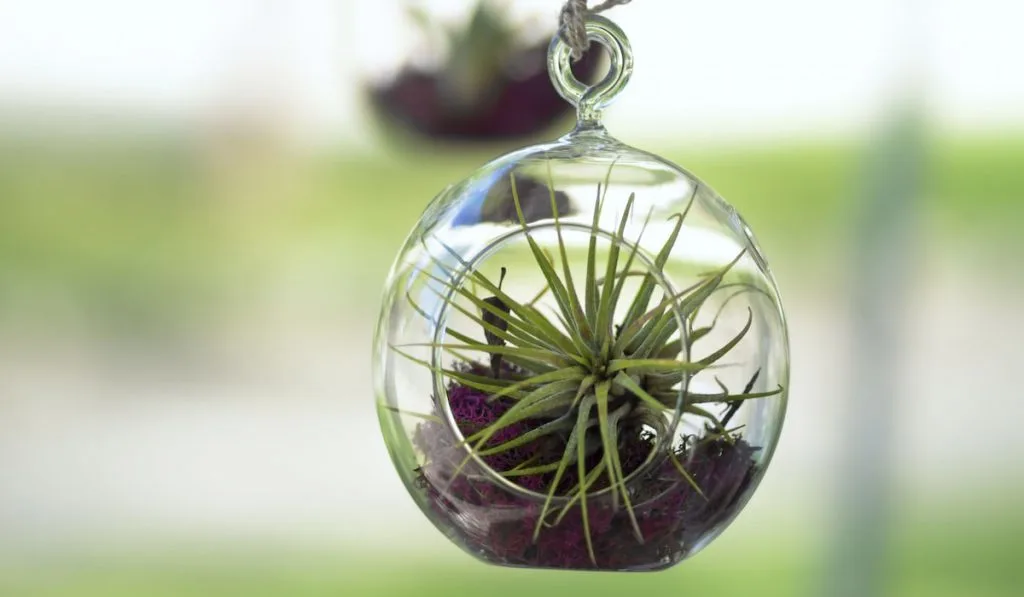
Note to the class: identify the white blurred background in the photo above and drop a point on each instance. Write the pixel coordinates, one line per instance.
(197, 210)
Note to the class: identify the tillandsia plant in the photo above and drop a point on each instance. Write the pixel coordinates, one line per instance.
(492, 86)
(571, 415)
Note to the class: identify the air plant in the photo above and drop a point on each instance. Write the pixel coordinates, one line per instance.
(492, 86)
(583, 403)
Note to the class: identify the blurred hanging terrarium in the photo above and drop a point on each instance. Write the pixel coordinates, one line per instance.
(581, 360)
(490, 83)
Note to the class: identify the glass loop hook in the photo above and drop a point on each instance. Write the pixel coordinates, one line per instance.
(591, 100)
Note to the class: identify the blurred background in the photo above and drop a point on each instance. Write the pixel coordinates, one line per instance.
(199, 202)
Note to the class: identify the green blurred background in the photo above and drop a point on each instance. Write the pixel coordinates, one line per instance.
(198, 210)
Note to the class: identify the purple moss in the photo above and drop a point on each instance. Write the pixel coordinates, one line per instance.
(670, 513)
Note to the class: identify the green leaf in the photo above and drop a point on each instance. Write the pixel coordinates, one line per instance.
(579, 429)
(721, 352)
(547, 269)
(585, 385)
(605, 309)
(601, 393)
(658, 335)
(420, 310)
(518, 332)
(477, 382)
(609, 437)
(697, 334)
(561, 423)
(620, 282)
(567, 347)
(581, 467)
(689, 299)
(539, 295)
(623, 274)
(695, 300)
(409, 413)
(643, 295)
(592, 289)
(526, 313)
(528, 353)
(724, 434)
(566, 374)
(700, 412)
(714, 398)
(538, 401)
(626, 382)
(542, 469)
(535, 366)
(745, 288)
(574, 302)
(660, 382)
(632, 333)
(653, 364)
(592, 478)
(686, 475)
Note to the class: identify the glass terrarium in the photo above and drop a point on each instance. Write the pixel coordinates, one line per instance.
(581, 360)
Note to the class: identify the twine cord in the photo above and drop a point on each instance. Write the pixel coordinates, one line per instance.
(572, 23)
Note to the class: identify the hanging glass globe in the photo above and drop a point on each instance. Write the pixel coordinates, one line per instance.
(581, 360)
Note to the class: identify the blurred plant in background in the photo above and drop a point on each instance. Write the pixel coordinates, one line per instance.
(492, 84)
